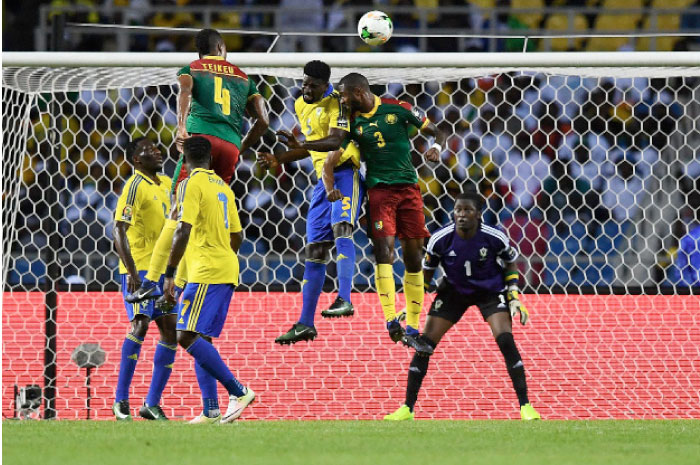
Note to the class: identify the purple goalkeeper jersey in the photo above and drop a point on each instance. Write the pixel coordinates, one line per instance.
(471, 265)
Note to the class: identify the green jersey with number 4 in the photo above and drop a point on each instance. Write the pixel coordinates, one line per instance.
(220, 93)
(384, 141)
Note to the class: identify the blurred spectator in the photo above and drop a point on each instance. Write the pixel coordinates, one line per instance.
(687, 266)
(624, 190)
(565, 199)
(300, 16)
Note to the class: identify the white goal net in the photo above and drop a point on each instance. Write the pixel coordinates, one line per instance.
(590, 164)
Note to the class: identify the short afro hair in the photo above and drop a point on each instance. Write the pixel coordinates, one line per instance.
(354, 81)
(318, 70)
(475, 197)
(131, 148)
(207, 40)
(197, 150)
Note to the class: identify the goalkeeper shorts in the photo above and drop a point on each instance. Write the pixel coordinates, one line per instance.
(450, 304)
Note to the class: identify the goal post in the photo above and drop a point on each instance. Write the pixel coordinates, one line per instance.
(588, 161)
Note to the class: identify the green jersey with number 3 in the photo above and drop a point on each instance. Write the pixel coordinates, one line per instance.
(384, 141)
(220, 93)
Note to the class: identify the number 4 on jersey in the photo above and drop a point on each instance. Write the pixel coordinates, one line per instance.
(222, 96)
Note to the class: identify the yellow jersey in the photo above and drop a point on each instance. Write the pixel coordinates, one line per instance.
(317, 119)
(144, 205)
(207, 203)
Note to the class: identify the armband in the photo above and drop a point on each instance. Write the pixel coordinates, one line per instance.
(170, 271)
(512, 278)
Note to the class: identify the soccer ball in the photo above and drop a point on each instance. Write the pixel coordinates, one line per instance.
(375, 27)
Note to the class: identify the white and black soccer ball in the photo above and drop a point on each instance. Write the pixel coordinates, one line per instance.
(375, 27)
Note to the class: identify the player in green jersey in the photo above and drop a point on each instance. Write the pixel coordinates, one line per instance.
(214, 97)
(380, 127)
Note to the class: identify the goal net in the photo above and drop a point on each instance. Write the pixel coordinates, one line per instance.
(589, 163)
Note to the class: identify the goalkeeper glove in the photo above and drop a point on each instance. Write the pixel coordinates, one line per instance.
(515, 306)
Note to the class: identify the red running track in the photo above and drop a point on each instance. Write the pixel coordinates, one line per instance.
(586, 357)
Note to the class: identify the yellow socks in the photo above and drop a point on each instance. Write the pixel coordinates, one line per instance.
(413, 291)
(386, 288)
(161, 251)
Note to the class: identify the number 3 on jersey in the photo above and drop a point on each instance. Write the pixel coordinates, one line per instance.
(222, 96)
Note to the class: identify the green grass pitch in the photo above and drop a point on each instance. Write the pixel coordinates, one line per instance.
(637, 442)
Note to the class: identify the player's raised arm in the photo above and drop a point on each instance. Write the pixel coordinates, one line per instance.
(271, 160)
(329, 164)
(184, 101)
(433, 153)
(257, 109)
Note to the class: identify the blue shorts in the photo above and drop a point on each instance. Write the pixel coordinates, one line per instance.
(203, 308)
(323, 214)
(147, 307)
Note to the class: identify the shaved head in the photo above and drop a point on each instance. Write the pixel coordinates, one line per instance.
(355, 81)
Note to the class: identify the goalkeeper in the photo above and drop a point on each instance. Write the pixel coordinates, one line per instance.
(471, 254)
(214, 95)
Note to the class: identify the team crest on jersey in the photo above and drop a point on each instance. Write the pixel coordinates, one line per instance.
(318, 111)
(391, 118)
(378, 225)
(127, 213)
(483, 253)
(359, 130)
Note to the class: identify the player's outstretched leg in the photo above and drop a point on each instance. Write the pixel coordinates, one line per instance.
(209, 358)
(386, 288)
(131, 349)
(516, 371)
(345, 264)
(211, 414)
(416, 372)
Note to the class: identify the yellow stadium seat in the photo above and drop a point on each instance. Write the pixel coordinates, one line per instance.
(560, 22)
(610, 23)
(532, 20)
(622, 4)
(666, 23)
(668, 4)
(484, 4)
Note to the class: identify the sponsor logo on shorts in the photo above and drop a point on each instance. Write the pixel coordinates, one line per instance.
(378, 225)
(438, 304)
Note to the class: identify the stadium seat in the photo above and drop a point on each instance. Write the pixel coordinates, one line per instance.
(669, 4)
(607, 23)
(484, 4)
(623, 5)
(560, 22)
(532, 19)
(664, 23)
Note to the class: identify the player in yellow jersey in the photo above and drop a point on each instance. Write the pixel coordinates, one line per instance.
(324, 122)
(139, 218)
(210, 230)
